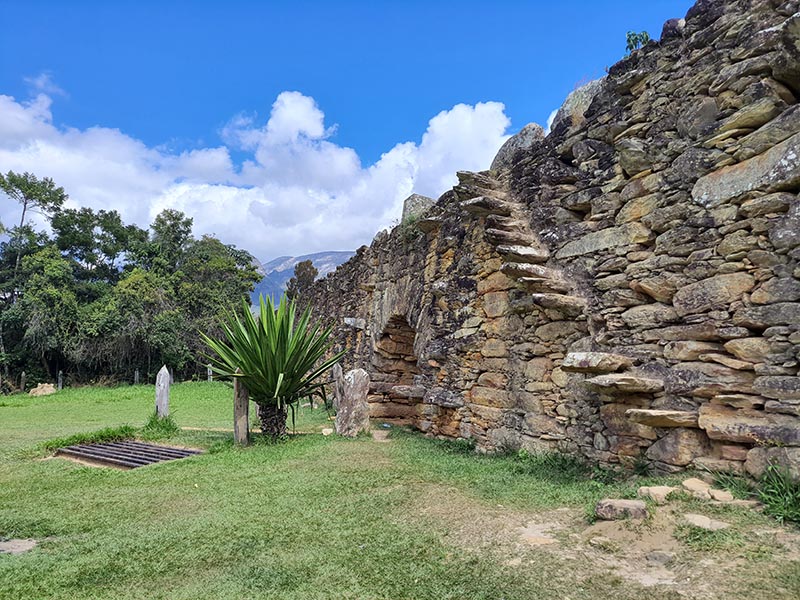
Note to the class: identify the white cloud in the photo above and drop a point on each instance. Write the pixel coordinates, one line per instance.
(298, 192)
(44, 83)
(550, 121)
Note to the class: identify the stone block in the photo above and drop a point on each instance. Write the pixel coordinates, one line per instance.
(748, 426)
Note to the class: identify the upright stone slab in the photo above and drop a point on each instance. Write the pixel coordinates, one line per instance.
(162, 392)
(23, 378)
(136, 377)
(241, 412)
(209, 374)
(60, 380)
(338, 385)
(352, 416)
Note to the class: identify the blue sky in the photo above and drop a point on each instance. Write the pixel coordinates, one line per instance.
(171, 78)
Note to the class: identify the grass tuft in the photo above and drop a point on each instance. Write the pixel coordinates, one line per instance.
(158, 428)
(109, 434)
(552, 466)
(780, 495)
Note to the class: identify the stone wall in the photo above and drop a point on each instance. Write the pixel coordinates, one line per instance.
(627, 287)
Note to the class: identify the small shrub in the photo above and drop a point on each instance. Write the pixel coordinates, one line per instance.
(780, 494)
(159, 427)
(641, 466)
(634, 40)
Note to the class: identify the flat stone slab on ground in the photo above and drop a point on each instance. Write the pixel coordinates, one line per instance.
(704, 522)
(17, 546)
(657, 493)
(614, 510)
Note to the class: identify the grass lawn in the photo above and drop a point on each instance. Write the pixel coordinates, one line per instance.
(326, 517)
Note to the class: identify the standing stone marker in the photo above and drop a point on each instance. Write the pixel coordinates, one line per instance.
(209, 374)
(136, 377)
(352, 416)
(60, 380)
(22, 380)
(162, 392)
(241, 412)
(338, 385)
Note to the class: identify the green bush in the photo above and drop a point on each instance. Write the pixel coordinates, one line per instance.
(780, 494)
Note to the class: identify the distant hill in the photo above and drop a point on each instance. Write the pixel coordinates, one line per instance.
(278, 271)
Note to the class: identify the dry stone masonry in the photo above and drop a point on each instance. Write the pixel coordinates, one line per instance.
(625, 288)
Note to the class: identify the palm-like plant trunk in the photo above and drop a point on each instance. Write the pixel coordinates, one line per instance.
(273, 420)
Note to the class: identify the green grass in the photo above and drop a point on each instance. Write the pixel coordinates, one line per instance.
(311, 518)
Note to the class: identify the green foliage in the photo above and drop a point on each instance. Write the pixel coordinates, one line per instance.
(278, 357)
(554, 466)
(304, 275)
(157, 428)
(780, 494)
(706, 540)
(408, 229)
(739, 486)
(634, 40)
(102, 298)
(109, 434)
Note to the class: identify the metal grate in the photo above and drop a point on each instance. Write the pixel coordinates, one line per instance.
(126, 454)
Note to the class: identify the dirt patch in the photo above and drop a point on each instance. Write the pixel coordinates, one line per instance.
(17, 546)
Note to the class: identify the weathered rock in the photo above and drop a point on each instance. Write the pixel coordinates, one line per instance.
(679, 447)
(780, 289)
(697, 488)
(595, 362)
(689, 350)
(615, 510)
(630, 233)
(623, 383)
(759, 458)
(703, 522)
(43, 389)
(748, 426)
(761, 317)
(662, 418)
(776, 169)
(714, 292)
(528, 136)
(751, 349)
(657, 493)
(352, 416)
(617, 423)
(779, 387)
(415, 206)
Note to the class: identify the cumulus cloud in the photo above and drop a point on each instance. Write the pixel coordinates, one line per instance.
(296, 192)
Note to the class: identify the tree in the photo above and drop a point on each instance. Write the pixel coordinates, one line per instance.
(634, 40)
(278, 358)
(304, 275)
(172, 233)
(34, 194)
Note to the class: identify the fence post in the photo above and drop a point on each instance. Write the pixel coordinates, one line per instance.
(241, 412)
(60, 380)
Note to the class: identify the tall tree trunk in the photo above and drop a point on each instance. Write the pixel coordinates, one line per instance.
(3, 350)
(19, 251)
(273, 420)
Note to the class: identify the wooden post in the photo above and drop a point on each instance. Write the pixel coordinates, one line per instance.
(60, 380)
(136, 377)
(209, 374)
(241, 412)
(22, 380)
(162, 392)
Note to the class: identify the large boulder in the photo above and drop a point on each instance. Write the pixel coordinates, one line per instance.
(529, 135)
(43, 389)
(352, 415)
(577, 103)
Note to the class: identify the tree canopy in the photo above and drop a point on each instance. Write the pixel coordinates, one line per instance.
(98, 298)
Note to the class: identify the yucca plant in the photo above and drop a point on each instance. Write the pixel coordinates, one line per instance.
(278, 357)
